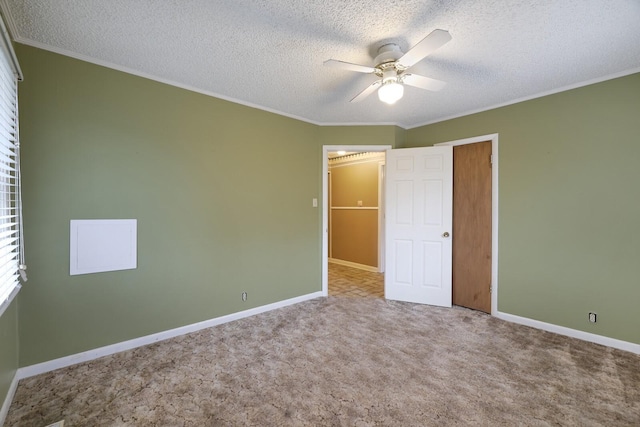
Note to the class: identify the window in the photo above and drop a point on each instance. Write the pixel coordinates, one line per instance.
(11, 246)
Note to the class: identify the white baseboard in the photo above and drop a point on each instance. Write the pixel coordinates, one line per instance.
(63, 362)
(8, 399)
(574, 333)
(354, 265)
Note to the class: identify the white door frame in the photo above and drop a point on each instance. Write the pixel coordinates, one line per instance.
(381, 215)
(329, 223)
(494, 209)
(325, 197)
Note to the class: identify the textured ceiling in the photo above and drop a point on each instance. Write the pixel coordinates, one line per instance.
(269, 53)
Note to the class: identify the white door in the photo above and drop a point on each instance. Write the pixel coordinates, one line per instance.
(419, 196)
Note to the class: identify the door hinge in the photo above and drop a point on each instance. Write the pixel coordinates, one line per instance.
(490, 289)
(491, 160)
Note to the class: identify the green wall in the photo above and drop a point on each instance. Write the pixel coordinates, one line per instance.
(8, 348)
(222, 194)
(569, 204)
(358, 135)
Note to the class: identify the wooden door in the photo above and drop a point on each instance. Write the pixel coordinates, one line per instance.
(472, 226)
(418, 225)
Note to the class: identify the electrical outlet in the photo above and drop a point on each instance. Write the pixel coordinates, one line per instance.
(592, 317)
(244, 296)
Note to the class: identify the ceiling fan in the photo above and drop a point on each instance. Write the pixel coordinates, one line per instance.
(392, 65)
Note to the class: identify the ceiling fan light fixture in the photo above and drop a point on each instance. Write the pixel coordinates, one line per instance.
(391, 66)
(390, 92)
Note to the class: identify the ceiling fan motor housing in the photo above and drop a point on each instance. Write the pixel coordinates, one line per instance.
(386, 61)
(388, 53)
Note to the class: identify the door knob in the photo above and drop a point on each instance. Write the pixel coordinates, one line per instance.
(445, 234)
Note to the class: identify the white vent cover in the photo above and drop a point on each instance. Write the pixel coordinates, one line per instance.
(98, 245)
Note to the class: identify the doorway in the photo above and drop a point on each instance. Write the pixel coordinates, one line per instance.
(494, 206)
(326, 213)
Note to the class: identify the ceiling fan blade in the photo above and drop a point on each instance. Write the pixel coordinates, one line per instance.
(423, 82)
(334, 63)
(368, 91)
(427, 46)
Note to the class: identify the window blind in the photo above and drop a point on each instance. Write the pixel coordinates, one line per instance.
(11, 246)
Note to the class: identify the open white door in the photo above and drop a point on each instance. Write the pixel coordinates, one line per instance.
(419, 203)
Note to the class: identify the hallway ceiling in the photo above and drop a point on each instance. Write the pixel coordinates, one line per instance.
(269, 54)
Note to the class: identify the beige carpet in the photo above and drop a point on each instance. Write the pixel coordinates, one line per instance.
(346, 361)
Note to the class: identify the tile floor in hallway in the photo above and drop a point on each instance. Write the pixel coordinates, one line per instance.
(349, 281)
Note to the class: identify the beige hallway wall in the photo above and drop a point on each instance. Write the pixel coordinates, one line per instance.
(354, 212)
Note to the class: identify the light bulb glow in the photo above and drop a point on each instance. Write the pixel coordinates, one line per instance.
(390, 92)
